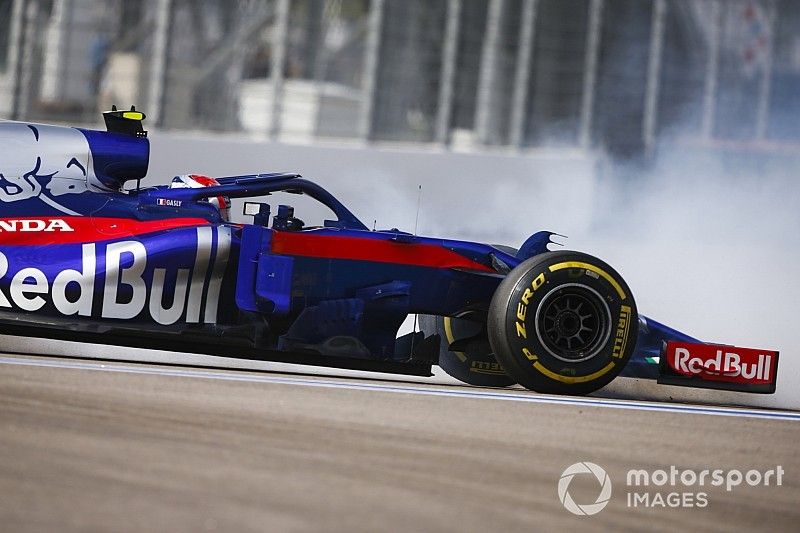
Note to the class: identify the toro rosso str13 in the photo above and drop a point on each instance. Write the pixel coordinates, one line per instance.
(84, 259)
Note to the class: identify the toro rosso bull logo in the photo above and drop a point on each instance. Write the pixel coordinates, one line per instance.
(122, 279)
(44, 162)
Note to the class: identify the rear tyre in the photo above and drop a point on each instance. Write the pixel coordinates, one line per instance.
(563, 323)
(475, 365)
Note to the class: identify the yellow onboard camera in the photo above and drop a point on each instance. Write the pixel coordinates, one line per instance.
(127, 122)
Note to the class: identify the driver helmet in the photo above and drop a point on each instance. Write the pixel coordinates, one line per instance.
(198, 181)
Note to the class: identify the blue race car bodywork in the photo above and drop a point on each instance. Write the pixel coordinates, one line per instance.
(160, 267)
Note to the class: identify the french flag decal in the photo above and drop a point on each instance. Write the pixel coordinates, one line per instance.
(169, 203)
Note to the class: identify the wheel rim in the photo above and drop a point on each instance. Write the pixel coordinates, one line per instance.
(573, 323)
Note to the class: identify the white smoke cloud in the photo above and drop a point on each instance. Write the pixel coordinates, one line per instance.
(710, 244)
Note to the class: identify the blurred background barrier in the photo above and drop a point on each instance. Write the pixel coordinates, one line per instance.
(466, 75)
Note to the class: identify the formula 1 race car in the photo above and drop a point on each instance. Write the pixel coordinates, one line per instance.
(83, 259)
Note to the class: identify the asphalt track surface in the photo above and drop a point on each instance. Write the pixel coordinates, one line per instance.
(92, 445)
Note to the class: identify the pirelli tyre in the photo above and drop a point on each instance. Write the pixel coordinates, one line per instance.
(475, 365)
(563, 323)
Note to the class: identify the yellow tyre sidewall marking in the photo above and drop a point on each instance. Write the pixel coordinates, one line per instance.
(588, 266)
(572, 379)
(448, 332)
(621, 337)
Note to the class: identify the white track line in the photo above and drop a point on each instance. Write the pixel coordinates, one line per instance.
(515, 396)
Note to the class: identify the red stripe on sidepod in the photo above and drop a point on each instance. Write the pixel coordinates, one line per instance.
(376, 250)
(39, 231)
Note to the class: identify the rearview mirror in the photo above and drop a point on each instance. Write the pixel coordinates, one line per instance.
(251, 209)
(259, 212)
